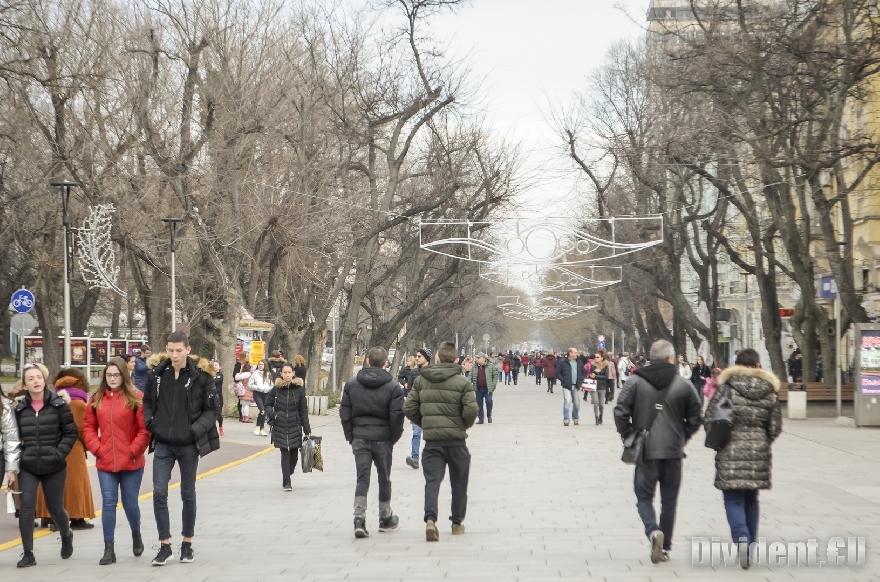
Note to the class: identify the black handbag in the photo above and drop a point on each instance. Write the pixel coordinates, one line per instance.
(634, 442)
(721, 425)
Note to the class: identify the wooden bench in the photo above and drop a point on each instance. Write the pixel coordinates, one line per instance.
(818, 392)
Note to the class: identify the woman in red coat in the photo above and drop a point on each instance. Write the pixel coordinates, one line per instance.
(116, 435)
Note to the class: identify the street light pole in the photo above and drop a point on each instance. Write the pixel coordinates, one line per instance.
(172, 225)
(65, 187)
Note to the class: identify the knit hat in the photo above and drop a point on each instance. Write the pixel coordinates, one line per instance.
(426, 352)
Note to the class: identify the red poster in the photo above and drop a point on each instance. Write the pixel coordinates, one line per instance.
(134, 345)
(33, 342)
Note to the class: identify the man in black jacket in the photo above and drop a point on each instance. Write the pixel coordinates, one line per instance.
(371, 412)
(571, 375)
(179, 411)
(658, 400)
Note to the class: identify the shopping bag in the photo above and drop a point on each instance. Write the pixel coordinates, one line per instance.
(319, 459)
(589, 385)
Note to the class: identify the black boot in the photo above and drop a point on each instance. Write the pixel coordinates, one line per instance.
(109, 554)
(600, 417)
(67, 545)
(137, 544)
(597, 420)
(27, 560)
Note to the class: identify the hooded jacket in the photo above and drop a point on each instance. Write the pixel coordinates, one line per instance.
(443, 403)
(550, 366)
(115, 434)
(186, 415)
(286, 408)
(491, 376)
(563, 372)
(372, 407)
(46, 438)
(679, 417)
(746, 461)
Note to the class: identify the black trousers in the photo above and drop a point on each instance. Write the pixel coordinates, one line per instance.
(434, 463)
(53, 491)
(367, 454)
(666, 472)
(259, 400)
(538, 372)
(288, 465)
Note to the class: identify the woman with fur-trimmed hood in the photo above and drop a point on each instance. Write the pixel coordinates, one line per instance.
(743, 466)
(286, 408)
(72, 385)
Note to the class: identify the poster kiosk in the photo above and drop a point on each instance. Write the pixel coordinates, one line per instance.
(867, 389)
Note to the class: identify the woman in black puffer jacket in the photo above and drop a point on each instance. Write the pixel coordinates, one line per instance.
(743, 466)
(287, 409)
(48, 433)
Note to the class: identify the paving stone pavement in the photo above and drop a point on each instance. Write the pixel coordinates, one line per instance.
(545, 502)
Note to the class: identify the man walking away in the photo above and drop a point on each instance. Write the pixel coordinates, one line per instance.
(658, 400)
(483, 380)
(571, 376)
(423, 358)
(443, 404)
(179, 410)
(539, 368)
(141, 369)
(371, 412)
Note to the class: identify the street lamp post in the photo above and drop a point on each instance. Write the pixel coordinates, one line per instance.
(65, 187)
(172, 225)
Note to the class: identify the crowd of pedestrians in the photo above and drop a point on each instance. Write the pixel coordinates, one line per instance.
(47, 427)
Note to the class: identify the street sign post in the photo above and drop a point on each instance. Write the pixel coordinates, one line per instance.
(22, 301)
(601, 345)
(21, 325)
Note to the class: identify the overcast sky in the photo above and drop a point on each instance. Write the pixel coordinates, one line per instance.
(531, 54)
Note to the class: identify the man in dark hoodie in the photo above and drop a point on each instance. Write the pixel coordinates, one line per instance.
(371, 412)
(444, 404)
(179, 410)
(658, 400)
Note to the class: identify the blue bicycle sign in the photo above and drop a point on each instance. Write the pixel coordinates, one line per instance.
(22, 301)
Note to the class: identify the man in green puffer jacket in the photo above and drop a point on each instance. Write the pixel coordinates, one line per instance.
(443, 403)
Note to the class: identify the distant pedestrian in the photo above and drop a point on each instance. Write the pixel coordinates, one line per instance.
(601, 371)
(141, 369)
(711, 385)
(179, 410)
(571, 376)
(116, 435)
(443, 403)
(241, 372)
(699, 376)
(467, 364)
(684, 369)
(299, 367)
(538, 363)
(276, 360)
(483, 380)
(260, 384)
(422, 358)
(506, 366)
(515, 366)
(371, 412)
(744, 465)
(46, 440)
(288, 411)
(624, 369)
(550, 371)
(658, 400)
(218, 390)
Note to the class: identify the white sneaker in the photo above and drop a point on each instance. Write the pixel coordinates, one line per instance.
(263, 433)
(257, 431)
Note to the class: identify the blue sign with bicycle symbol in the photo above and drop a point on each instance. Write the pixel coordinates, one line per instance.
(22, 301)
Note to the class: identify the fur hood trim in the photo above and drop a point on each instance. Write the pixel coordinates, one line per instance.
(155, 359)
(759, 373)
(204, 365)
(64, 395)
(296, 382)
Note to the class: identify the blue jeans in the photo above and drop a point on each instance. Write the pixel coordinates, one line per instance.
(164, 457)
(483, 394)
(416, 441)
(111, 483)
(743, 512)
(570, 403)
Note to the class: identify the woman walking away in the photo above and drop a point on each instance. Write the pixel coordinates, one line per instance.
(117, 437)
(611, 382)
(515, 365)
(597, 398)
(218, 390)
(48, 432)
(538, 362)
(72, 385)
(299, 368)
(743, 466)
(700, 374)
(289, 414)
(550, 371)
(505, 367)
(261, 382)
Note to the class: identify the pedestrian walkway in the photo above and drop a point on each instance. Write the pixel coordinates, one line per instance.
(545, 502)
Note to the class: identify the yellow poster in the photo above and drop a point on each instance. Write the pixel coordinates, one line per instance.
(258, 349)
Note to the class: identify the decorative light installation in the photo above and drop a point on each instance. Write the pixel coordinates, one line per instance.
(543, 308)
(553, 278)
(97, 258)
